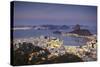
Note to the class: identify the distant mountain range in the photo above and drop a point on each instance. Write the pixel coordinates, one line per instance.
(49, 27)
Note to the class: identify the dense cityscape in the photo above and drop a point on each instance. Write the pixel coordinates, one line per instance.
(49, 49)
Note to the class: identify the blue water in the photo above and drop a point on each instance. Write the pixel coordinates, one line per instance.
(68, 40)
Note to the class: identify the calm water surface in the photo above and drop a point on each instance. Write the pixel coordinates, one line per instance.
(68, 40)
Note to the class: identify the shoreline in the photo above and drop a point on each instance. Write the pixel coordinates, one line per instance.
(23, 28)
(87, 52)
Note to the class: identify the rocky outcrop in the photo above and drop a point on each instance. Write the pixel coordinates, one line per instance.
(76, 27)
(83, 32)
(79, 31)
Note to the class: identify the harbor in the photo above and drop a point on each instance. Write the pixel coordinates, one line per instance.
(51, 48)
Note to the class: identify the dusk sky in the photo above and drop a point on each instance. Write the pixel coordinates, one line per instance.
(27, 13)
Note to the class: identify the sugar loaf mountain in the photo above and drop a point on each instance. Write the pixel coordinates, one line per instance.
(79, 31)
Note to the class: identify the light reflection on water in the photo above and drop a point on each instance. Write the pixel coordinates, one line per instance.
(68, 40)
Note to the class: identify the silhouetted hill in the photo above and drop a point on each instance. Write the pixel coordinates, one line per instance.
(79, 31)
